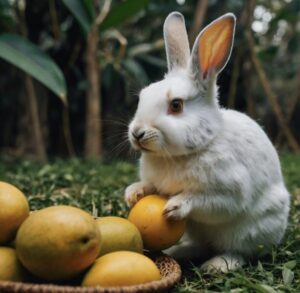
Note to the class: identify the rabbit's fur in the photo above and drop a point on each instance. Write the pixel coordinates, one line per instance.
(219, 168)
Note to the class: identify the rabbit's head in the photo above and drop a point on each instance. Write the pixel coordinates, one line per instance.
(180, 114)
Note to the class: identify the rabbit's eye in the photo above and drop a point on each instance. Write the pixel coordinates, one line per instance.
(175, 106)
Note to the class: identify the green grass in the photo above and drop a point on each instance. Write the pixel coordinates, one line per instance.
(98, 188)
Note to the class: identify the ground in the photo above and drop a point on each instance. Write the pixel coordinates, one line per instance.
(98, 188)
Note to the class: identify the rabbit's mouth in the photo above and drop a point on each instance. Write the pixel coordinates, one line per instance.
(145, 139)
(136, 144)
(142, 148)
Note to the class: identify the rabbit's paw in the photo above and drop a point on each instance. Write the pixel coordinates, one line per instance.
(178, 207)
(223, 263)
(133, 193)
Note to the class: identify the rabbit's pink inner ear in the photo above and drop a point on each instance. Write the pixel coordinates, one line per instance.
(215, 45)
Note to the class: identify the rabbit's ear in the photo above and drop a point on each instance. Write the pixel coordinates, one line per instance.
(212, 47)
(176, 41)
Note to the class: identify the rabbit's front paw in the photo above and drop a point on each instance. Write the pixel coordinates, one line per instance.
(177, 207)
(134, 193)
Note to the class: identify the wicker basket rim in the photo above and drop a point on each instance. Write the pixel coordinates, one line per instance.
(169, 268)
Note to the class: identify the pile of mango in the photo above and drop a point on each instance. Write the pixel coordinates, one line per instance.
(60, 243)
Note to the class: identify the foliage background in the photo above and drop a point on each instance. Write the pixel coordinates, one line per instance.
(261, 79)
(124, 70)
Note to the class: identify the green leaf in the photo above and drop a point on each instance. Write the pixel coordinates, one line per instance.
(288, 276)
(260, 266)
(81, 11)
(122, 12)
(269, 277)
(265, 288)
(6, 14)
(290, 264)
(28, 57)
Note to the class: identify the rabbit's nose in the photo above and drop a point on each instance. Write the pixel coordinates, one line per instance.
(138, 133)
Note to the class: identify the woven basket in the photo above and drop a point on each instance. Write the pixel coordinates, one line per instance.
(169, 269)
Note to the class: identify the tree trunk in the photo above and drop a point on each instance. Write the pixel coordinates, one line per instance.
(199, 17)
(93, 129)
(273, 100)
(38, 140)
(234, 79)
(291, 105)
(245, 22)
(248, 86)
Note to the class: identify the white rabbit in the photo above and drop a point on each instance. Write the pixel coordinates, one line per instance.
(218, 166)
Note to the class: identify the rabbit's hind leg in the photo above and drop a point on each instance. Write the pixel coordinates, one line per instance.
(187, 249)
(223, 263)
